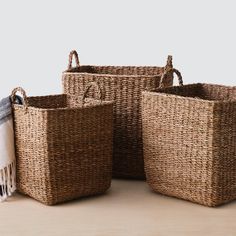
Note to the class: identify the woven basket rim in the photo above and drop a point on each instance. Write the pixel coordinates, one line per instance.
(119, 66)
(30, 107)
(68, 72)
(104, 103)
(166, 94)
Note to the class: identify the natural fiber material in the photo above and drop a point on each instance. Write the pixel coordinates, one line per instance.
(63, 146)
(189, 136)
(122, 84)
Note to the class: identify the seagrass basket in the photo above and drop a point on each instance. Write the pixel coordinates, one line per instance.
(189, 136)
(123, 85)
(63, 146)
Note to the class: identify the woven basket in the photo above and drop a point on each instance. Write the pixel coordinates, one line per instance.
(189, 135)
(63, 148)
(122, 84)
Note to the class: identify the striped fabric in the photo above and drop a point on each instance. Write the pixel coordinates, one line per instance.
(7, 152)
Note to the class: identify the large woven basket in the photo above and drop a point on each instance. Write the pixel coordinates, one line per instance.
(189, 135)
(63, 148)
(123, 85)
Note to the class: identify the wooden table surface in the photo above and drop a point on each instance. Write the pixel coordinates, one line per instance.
(129, 208)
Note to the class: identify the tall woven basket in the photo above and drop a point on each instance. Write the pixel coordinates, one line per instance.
(123, 85)
(63, 146)
(189, 135)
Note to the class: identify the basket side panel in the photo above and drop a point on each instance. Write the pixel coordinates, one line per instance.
(177, 138)
(80, 152)
(126, 92)
(224, 175)
(31, 153)
(47, 102)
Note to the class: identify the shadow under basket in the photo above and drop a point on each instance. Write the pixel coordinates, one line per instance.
(63, 148)
(189, 138)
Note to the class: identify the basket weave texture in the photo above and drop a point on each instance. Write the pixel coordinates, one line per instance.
(189, 135)
(123, 85)
(63, 148)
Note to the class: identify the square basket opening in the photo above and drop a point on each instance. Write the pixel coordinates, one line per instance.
(119, 70)
(63, 101)
(207, 92)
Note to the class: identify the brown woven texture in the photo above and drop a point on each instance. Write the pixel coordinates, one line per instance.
(63, 147)
(122, 84)
(189, 135)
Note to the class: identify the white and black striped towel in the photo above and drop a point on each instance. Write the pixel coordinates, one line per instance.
(7, 151)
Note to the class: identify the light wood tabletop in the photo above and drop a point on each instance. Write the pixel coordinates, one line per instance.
(129, 208)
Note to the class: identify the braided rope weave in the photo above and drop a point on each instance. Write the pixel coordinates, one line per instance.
(71, 55)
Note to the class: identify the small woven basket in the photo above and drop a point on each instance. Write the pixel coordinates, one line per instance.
(123, 85)
(63, 147)
(189, 135)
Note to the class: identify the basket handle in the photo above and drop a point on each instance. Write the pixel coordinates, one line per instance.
(23, 93)
(72, 54)
(172, 70)
(169, 63)
(97, 89)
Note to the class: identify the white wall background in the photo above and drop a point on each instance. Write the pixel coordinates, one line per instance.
(36, 37)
